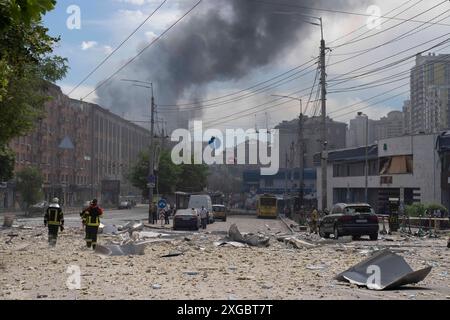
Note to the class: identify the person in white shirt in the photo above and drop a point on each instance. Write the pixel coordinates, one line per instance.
(204, 217)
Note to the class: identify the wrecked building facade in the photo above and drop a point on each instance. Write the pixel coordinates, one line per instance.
(406, 168)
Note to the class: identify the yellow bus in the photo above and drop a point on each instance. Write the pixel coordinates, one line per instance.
(267, 206)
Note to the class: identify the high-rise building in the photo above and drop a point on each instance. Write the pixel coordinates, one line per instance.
(356, 134)
(311, 132)
(407, 117)
(390, 126)
(430, 85)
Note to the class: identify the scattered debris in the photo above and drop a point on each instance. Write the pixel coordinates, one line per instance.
(110, 229)
(191, 273)
(173, 254)
(395, 272)
(250, 239)
(296, 243)
(120, 250)
(230, 243)
(187, 239)
(11, 235)
(318, 267)
(41, 296)
(156, 286)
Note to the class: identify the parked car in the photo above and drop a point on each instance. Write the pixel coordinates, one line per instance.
(353, 220)
(186, 219)
(198, 201)
(220, 212)
(125, 205)
(38, 208)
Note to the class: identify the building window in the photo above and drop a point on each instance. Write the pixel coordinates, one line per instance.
(396, 165)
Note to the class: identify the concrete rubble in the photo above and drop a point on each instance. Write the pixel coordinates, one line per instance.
(171, 265)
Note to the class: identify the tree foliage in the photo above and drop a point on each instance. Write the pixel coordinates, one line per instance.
(170, 177)
(418, 209)
(26, 65)
(29, 184)
(6, 163)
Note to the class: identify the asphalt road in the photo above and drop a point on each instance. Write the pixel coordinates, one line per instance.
(245, 223)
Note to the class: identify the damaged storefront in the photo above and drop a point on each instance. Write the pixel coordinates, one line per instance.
(401, 171)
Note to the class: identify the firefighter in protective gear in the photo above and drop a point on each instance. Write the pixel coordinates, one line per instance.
(314, 221)
(54, 219)
(91, 217)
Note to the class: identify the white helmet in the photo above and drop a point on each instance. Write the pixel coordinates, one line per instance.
(55, 200)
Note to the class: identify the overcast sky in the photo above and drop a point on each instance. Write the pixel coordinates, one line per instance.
(105, 24)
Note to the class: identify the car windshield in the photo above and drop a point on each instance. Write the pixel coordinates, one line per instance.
(219, 209)
(359, 209)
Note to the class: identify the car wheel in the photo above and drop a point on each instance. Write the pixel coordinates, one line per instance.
(323, 234)
(356, 238)
(336, 233)
(374, 237)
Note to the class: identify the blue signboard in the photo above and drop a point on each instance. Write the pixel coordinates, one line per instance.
(162, 204)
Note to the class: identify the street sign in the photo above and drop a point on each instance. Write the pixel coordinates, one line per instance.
(152, 179)
(162, 204)
(151, 185)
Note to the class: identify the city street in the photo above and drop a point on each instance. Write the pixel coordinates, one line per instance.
(31, 270)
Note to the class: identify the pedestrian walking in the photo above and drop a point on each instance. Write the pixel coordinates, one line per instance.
(91, 218)
(167, 215)
(54, 219)
(204, 217)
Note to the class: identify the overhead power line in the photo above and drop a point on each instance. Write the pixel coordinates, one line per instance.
(117, 48)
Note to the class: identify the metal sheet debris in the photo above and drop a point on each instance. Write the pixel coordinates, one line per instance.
(173, 254)
(120, 250)
(394, 272)
(230, 243)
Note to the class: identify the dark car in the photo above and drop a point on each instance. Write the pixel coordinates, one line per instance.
(186, 219)
(354, 220)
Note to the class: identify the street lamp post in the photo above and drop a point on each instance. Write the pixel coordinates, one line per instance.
(151, 170)
(366, 166)
(323, 76)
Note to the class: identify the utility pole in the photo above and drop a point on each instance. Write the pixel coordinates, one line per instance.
(366, 165)
(151, 173)
(301, 149)
(324, 140)
(151, 159)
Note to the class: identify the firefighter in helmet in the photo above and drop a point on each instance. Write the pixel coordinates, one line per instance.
(54, 219)
(91, 219)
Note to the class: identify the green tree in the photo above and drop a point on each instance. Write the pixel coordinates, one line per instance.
(193, 178)
(26, 66)
(29, 184)
(167, 174)
(6, 163)
(170, 177)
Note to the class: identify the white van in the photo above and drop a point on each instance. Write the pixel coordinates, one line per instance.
(197, 201)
